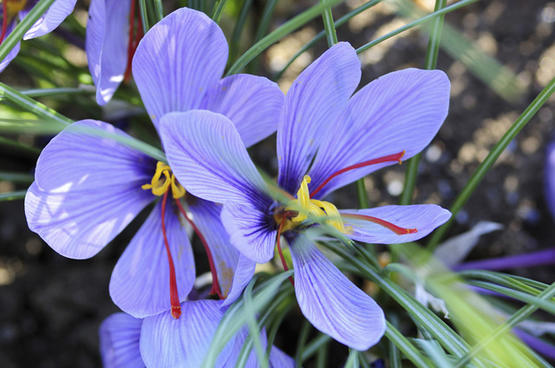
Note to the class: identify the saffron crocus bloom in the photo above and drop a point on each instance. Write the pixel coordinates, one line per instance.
(326, 139)
(88, 189)
(114, 30)
(14, 10)
(160, 342)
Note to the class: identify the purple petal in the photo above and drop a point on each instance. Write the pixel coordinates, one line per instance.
(422, 217)
(313, 102)
(177, 61)
(140, 282)
(13, 53)
(86, 190)
(532, 259)
(119, 341)
(208, 156)
(51, 19)
(278, 359)
(541, 346)
(249, 230)
(106, 45)
(550, 178)
(252, 103)
(234, 272)
(332, 303)
(167, 342)
(400, 111)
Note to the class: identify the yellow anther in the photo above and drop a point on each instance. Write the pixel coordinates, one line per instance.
(163, 179)
(304, 206)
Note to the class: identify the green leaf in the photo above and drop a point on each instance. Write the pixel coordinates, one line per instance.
(16, 177)
(12, 196)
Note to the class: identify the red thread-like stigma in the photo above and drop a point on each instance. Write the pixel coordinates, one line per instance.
(4, 20)
(215, 283)
(283, 262)
(388, 158)
(133, 40)
(396, 229)
(174, 295)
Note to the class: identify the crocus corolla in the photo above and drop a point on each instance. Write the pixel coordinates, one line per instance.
(161, 342)
(326, 139)
(87, 189)
(14, 10)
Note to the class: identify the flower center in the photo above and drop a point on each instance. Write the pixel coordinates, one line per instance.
(10, 8)
(162, 180)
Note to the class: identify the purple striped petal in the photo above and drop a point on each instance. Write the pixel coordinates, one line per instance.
(234, 271)
(332, 303)
(313, 102)
(532, 259)
(252, 103)
(177, 61)
(119, 341)
(550, 178)
(140, 283)
(278, 359)
(51, 19)
(169, 343)
(106, 45)
(86, 190)
(209, 158)
(400, 111)
(422, 217)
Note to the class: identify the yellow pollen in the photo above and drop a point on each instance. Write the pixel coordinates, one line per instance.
(162, 179)
(13, 7)
(304, 206)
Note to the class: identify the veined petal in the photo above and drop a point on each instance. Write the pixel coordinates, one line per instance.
(106, 45)
(332, 303)
(86, 190)
(400, 111)
(422, 217)
(312, 103)
(119, 341)
(208, 157)
(234, 273)
(140, 282)
(183, 342)
(278, 359)
(252, 103)
(249, 229)
(177, 60)
(51, 19)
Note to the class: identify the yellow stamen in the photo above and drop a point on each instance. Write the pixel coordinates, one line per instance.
(163, 179)
(303, 206)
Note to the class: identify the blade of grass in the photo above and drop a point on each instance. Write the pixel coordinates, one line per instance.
(218, 7)
(406, 347)
(12, 196)
(254, 328)
(19, 146)
(314, 346)
(490, 159)
(158, 10)
(234, 44)
(143, 10)
(16, 177)
(301, 343)
(329, 25)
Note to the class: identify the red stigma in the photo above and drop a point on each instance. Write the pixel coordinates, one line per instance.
(174, 295)
(133, 40)
(396, 229)
(388, 158)
(216, 290)
(4, 20)
(283, 262)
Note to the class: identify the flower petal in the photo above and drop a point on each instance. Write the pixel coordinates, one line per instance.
(167, 342)
(106, 45)
(550, 178)
(249, 230)
(278, 359)
(252, 103)
(422, 217)
(86, 190)
(234, 272)
(119, 341)
(331, 302)
(400, 111)
(140, 281)
(208, 157)
(177, 61)
(313, 102)
(51, 19)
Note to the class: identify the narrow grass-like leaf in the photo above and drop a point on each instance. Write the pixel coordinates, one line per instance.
(234, 44)
(143, 10)
(312, 347)
(16, 177)
(301, 343)
(329, 25)
(490, 159)
(254, 329)
(433, 349)
(12, 196)
(6, 142)
(352, 360)
(406, 347)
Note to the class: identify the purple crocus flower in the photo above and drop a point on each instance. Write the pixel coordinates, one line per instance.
(88, 189)
(326, 139)
(114, 30)
(161, 342)
(14, 10)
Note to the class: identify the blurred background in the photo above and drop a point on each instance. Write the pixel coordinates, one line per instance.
(498, 54)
